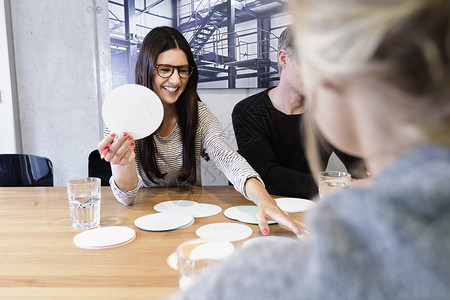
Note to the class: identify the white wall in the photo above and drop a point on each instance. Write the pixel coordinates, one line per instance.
(62, 61)
(221, 103)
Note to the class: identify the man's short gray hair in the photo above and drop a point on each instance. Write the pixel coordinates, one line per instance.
(286, 42)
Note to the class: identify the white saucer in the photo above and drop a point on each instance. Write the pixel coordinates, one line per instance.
(195, 209)
(213, 250)
(224, 231)
(163, 221)
(133, 109)
(294, 204)
(209, 250)
(172, 261)
(244, 213)
(187, 225)
(104, 237)
(269, 238)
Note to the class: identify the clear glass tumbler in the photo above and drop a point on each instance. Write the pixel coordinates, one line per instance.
(196, 256)
(84, 202)
(332, 181)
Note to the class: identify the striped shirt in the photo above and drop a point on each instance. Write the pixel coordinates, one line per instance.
(209, 138)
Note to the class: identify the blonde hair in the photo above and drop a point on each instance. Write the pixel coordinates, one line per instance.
(405, 43)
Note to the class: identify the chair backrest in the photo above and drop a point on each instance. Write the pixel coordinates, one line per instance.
(99, 168)
(25, 170)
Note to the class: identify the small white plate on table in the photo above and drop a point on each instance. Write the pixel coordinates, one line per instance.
(104, 237)
(215, 249)
(172, 260)
(292, 205)
(244, 213)
(268, 238)
(195, 209)
(164, 221)
(225, 231)
(134, 109)
(209, 250)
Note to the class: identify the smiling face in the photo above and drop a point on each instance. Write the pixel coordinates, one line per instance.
(169, 89)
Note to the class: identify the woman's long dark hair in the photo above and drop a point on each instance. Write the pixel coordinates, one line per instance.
(158, 40)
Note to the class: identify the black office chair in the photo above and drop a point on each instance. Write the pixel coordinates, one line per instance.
(99, 168)
(25, 170)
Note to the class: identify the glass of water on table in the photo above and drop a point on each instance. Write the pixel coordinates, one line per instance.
(332, 181)
(84, 202)
(197, 256)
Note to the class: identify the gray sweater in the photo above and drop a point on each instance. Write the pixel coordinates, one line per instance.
(390, 241)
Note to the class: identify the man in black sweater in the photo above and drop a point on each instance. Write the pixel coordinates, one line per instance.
(267, 129)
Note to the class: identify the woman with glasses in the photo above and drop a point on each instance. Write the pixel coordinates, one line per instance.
(171, 156)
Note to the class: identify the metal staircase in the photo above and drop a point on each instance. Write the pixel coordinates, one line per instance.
(206, 29)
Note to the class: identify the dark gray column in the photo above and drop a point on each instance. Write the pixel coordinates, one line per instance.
(263, 37)
(130, 31)
(231, 24)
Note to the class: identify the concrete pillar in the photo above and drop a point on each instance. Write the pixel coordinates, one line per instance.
(63, 71)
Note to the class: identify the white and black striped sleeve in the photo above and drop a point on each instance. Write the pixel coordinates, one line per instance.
(220, 150)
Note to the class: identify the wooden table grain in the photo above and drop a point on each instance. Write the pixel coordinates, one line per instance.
(38, 259)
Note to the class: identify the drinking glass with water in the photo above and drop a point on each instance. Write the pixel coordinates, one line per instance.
(332, 181)
(84, 202)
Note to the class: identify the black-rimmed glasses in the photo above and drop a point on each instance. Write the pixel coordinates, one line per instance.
(165, 71)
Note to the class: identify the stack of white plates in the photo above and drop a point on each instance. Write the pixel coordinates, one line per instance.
(164, 221)
(195, 209)
(104, 237)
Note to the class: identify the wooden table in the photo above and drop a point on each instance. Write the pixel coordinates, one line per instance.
(38, 259)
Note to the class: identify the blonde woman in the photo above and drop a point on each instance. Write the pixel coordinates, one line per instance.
(379, 76)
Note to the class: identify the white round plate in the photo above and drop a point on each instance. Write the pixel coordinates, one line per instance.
(104, 237)
(195, 209)
(208, 250)
(133, 109)
(206, 210)
(212, 250)
(269, 238)
(172, 261)
(187, 225)
(224, 231)
(163, 221)
(244, 213)
(294, 204)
